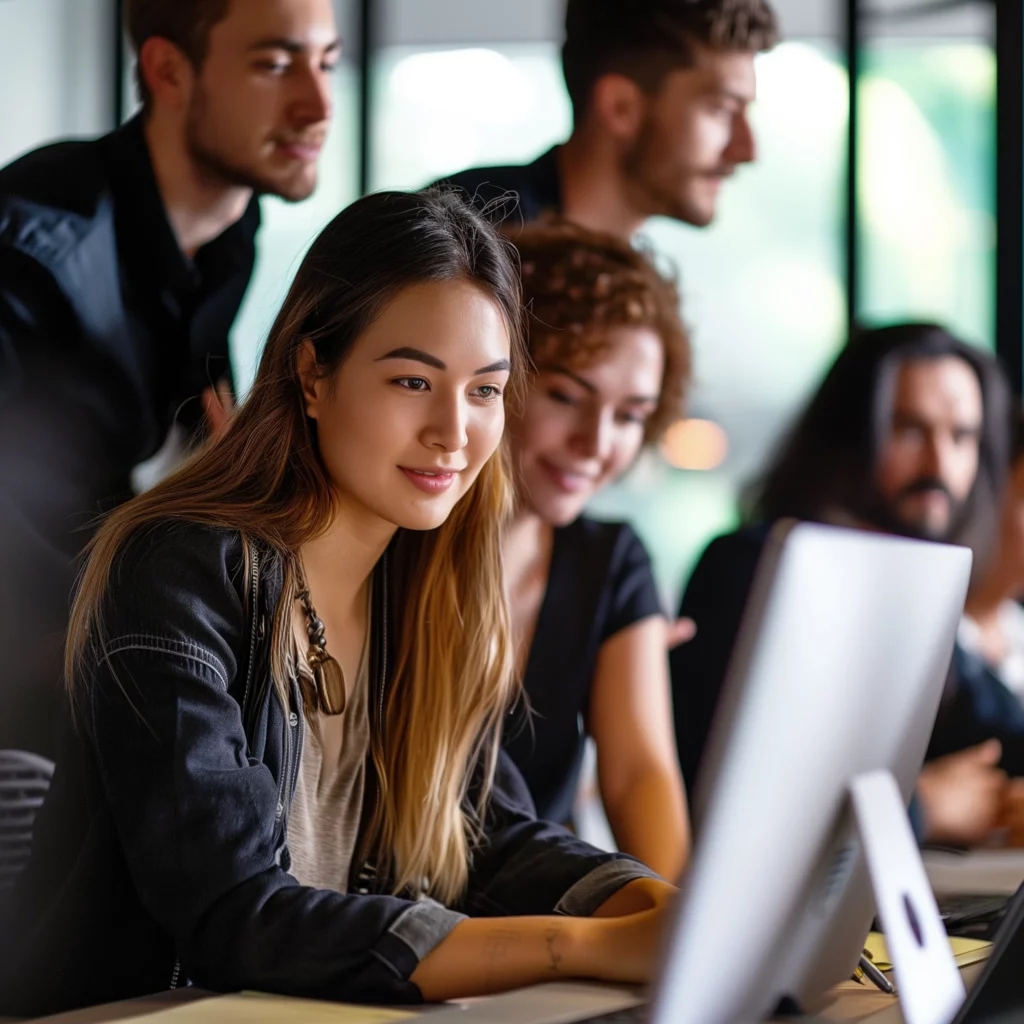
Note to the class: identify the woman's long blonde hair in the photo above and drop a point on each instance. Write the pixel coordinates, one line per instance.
(453, 677)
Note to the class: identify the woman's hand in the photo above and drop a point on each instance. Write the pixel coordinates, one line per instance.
(1012, 818)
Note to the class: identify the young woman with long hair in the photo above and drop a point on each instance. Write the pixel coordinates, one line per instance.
(612, 362)
(288, 665)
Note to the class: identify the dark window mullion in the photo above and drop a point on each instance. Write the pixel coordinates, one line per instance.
(368, 15)
(120, 56)
(852, 40)
(1010, 188)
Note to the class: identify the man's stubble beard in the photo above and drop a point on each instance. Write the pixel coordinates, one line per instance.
(654, 199)
(883, 515)
(219, 167)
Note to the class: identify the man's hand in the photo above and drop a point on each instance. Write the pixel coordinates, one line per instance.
(219, 407)
(963, 795)
(1013, 813)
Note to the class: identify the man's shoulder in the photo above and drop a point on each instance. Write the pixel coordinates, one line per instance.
(509, 177)
(525, 190)
(50, 199)
(68, 176)
(731, 557)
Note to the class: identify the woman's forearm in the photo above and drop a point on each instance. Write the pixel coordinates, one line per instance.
(649, 821)
(483, 956)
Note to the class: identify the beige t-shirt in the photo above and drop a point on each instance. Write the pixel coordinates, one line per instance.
(323, 824)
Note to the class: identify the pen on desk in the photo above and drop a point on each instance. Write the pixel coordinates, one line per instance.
(875, 975)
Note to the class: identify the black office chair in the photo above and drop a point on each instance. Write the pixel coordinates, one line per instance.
(24, 781)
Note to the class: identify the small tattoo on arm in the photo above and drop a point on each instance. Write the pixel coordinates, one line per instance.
(551, 937)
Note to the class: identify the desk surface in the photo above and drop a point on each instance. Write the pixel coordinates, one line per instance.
(978, 873)
(852, 1002)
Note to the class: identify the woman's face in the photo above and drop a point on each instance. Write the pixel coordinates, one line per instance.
(583, 427)
(416, 408)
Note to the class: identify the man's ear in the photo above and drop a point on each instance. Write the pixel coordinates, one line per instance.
(167, 72)
(309, 378)
(620, 105)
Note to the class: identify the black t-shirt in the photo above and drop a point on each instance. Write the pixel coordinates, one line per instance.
(600, 582)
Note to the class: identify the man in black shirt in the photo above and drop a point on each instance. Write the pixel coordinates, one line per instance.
(660, 91)
(123, 262)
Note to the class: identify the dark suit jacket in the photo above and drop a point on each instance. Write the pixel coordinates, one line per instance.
(976, 705)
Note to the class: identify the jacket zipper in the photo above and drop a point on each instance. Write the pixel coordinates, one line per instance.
(255, 582)
(176, 973)
(286, 767)
(291, 772)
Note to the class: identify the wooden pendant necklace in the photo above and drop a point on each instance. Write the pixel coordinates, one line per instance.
(328, 677)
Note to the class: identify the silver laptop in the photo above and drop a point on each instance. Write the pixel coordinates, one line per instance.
(839, 668)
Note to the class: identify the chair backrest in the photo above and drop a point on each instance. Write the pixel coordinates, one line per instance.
(24, 781)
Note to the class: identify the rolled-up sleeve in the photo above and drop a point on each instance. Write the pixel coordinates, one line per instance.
(420, 929)
(600, 885)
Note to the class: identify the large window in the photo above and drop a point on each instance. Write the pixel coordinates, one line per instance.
(761, 289)
(441, 110)
(927, 227)
(56, 57)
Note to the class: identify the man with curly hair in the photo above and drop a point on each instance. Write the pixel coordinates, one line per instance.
(660, 91)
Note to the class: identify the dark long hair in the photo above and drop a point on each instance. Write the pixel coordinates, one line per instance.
(264, 478)
(828, 459)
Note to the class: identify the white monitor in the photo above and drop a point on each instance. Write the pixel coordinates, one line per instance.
(838, 672)
(831, 695)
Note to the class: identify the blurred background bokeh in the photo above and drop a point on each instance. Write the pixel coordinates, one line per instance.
(434, 86)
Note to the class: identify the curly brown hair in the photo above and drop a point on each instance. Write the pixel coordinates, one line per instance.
(579, 283)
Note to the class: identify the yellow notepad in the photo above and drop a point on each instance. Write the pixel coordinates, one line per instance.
(965, 951)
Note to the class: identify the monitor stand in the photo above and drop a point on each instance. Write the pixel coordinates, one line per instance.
(927, 979)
